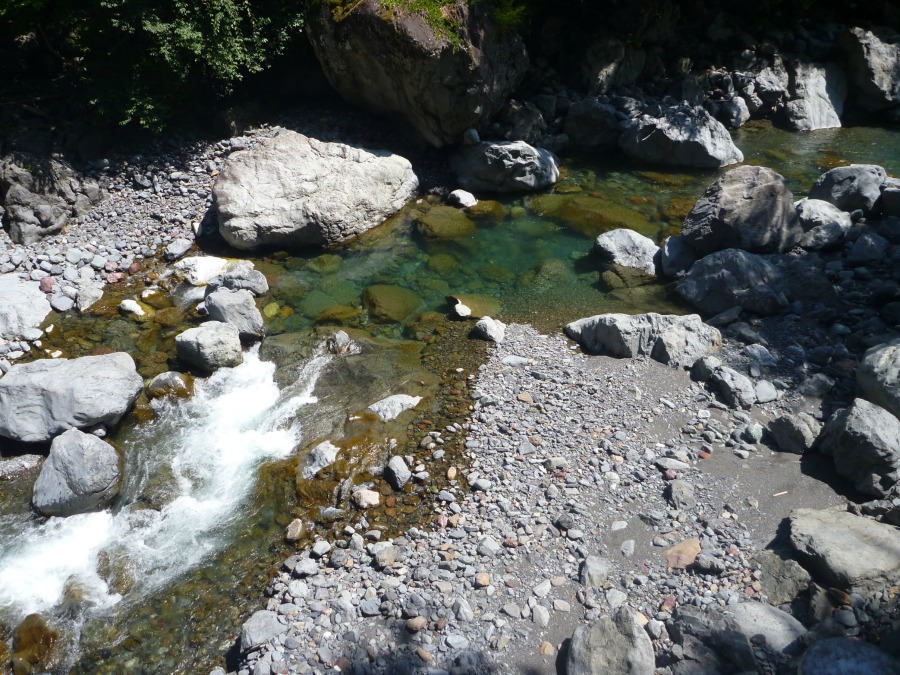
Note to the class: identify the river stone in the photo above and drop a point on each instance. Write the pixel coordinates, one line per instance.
(397, 473)
(721, 280)
(260, 628)
(864, 441)
(438, 77)
(822, 222)
(734, 113)
(390, 304)
(591, 123)
(846, 656)
(42, 399)
(781, 631)
(878, 375)
(616, 644)
(237, 308)
(666, 338)
(711, 641)
(291, 190)
(845, 550)
(319, 457)
(199, 270)
(595, 571)
(490, 329)
(748, 208)
(873, 64)
(680, 137)
(462, 199)
(507, 166)
(240, 275)
(629, 249)
(817, 96)
(737, 389)
(210, 346)
(795, 433)
(676, 256)
(445, 222)
(171, 383)
(391, 407)
(479, 306)
(15, 466)
(22, 306)
(176, 249)
(81, 474)
(783, 579)
(857, 186)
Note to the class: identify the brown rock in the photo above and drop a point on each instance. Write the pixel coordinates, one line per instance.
(416, 624)
(683, 553)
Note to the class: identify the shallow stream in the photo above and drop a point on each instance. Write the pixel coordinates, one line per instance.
(162, 581)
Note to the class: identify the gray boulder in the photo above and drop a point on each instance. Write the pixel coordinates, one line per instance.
(781, 632)
(595, 571)
(393, 406)
(864, 441)
(817, 96)
(440, 81)
(629, 249)
(667, 338)
(737, 389)
(872, 59)
(823, 223)
(711, 642)
(81, 474)
(783, 579)
(676, 256)
(490, 329)
(239, 276)
(176, 249)
(720, 281)
(260, 628)
(846, 656)
(868, 248)
(616, 644)
(239, 309)
(16, 466)
(210, 346)
(878, 376)
(680, 137)
(319, 457)
(397, 473)
(593, 124)
(857, 186)
(734, 113)
(749, 208)
(795, 433)
(844, 550)
(509, 166)
(22, 306)
(42, 399)
(291, 190)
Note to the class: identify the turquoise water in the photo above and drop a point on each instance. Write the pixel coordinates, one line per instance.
(530, 257)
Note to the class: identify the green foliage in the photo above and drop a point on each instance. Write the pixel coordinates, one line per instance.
(143, 61)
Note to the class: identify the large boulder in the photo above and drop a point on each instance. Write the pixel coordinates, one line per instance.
(42, 399)
(795, 433)
(680, 137)
(616, 644)
(508, 166)
(873, 63)
(22, 305)
(669, 339)
(237, 308)
(260, 628)
(676, 256)
(864, 441)
(711, 641)
(629, 249)
(878, 376)
(291, 190)
(591, 123)
(857, 186)
(440, 80)
(782, 632)
(240, 275)
(845, 550)
(610, 62)
(210, 346)
(749, 208)
(817, 96)
(81, 474)
(387, 303)
(846, 656)
(823, 223)
(730, 278)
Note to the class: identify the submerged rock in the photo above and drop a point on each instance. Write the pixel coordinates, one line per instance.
(292, 190)
(81, 474)
(42, 399)
(388, 303)
(393, 406)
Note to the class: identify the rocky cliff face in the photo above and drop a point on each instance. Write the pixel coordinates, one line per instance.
(441, 82)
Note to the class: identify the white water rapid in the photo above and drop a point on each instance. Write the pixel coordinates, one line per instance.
(198, 458)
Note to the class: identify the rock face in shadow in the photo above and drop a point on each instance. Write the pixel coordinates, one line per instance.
(439, 81)
(292, 190)
(878, 375)
(873, 63)
(512, 166)
(732, 277)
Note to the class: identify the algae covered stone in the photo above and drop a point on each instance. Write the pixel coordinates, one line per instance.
(390, 304)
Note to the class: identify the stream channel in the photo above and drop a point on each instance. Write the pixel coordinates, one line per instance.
(161, 581)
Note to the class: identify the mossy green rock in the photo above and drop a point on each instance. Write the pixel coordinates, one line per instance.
(390, 304)
(327, 263)
(445, 222)
(487, 209)
(591, 215)
(481, 305)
